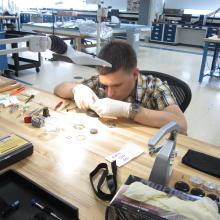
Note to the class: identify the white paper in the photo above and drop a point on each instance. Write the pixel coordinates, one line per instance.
(8, 100)
(127, 153)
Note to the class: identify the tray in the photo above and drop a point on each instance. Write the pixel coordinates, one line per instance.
(15, 186)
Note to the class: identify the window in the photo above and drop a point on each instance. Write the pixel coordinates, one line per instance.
(59, 4)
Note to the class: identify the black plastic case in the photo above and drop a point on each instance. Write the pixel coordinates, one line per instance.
(14, 186)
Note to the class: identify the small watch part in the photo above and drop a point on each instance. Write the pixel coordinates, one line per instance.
(19, 115)
(79, 126)
(38, 121)
(196, 181)
(13, 108)
(182, 186)
(213, 197)
(197, 192)
(111, 125)
(209, 186)
(92, 113)
(80, 137)
(46, 112)
(93, 131)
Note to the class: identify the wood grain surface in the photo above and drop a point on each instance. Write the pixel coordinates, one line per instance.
(62, 160)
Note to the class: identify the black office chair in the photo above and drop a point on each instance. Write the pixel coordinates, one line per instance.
(180, 89)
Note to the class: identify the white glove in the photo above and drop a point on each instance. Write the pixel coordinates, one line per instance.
(111, 108)
(39, 43)
(84, 97)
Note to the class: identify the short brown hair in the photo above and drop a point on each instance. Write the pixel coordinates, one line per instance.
(120, 54)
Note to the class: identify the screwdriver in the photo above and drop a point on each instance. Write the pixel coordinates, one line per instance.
(29, 99)
(10, 208)
(45, 209)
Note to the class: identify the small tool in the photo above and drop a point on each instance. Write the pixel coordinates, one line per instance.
(45, 209)
(36, 111)
(58, 105)
(19, 115)
(13, 108)
(92, 113)
(17, 91)
(69, 109)
(66, 106)
(13, 206)
(29, 99)
(155, 150)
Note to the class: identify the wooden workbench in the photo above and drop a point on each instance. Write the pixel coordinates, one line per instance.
(62, 161)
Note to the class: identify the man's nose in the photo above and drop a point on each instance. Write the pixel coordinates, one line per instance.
(110, 92)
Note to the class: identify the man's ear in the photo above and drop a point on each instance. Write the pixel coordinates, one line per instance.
(136, 72)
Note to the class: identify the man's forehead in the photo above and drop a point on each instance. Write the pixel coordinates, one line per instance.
(110, 80)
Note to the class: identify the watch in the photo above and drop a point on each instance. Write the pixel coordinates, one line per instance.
(134, 109)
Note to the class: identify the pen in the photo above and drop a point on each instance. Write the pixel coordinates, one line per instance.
(29, 99)
(58, 105)
(45, 209)
(10, 208)
(19, 90)
(66, 106)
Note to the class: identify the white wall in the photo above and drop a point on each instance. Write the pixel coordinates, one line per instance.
(116, 4)
(193, 4)
(156, 9)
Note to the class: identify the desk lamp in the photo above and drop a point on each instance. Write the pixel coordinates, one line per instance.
(162, 168)
(55, 44)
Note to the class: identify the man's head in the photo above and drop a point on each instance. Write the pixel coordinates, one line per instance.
(120, 79)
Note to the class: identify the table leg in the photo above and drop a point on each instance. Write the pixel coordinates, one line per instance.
(205, 52)
(78, 43)
(215, 57)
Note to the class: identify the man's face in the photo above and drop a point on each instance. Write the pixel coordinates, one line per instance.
(118, 85)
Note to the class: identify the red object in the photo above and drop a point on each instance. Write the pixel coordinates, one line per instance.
(58, 105)
(17, 91)
(27, 119)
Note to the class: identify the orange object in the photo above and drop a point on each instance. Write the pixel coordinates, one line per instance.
(17, 91)
(28, 119)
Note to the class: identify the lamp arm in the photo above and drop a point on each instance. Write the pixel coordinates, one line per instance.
(56, 44)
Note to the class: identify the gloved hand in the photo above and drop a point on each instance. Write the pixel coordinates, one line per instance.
(84, 97)
(111, 108)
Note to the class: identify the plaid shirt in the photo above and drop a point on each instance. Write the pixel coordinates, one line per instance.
(149, 92)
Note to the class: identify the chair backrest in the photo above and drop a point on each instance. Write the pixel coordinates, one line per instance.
(180, 89)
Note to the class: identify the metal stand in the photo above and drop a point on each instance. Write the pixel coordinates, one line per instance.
(162, 168)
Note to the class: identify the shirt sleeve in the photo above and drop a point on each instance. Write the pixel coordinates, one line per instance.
(162, 96)
(94, 84)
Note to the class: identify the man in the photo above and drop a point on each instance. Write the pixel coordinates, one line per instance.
(121, 91)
